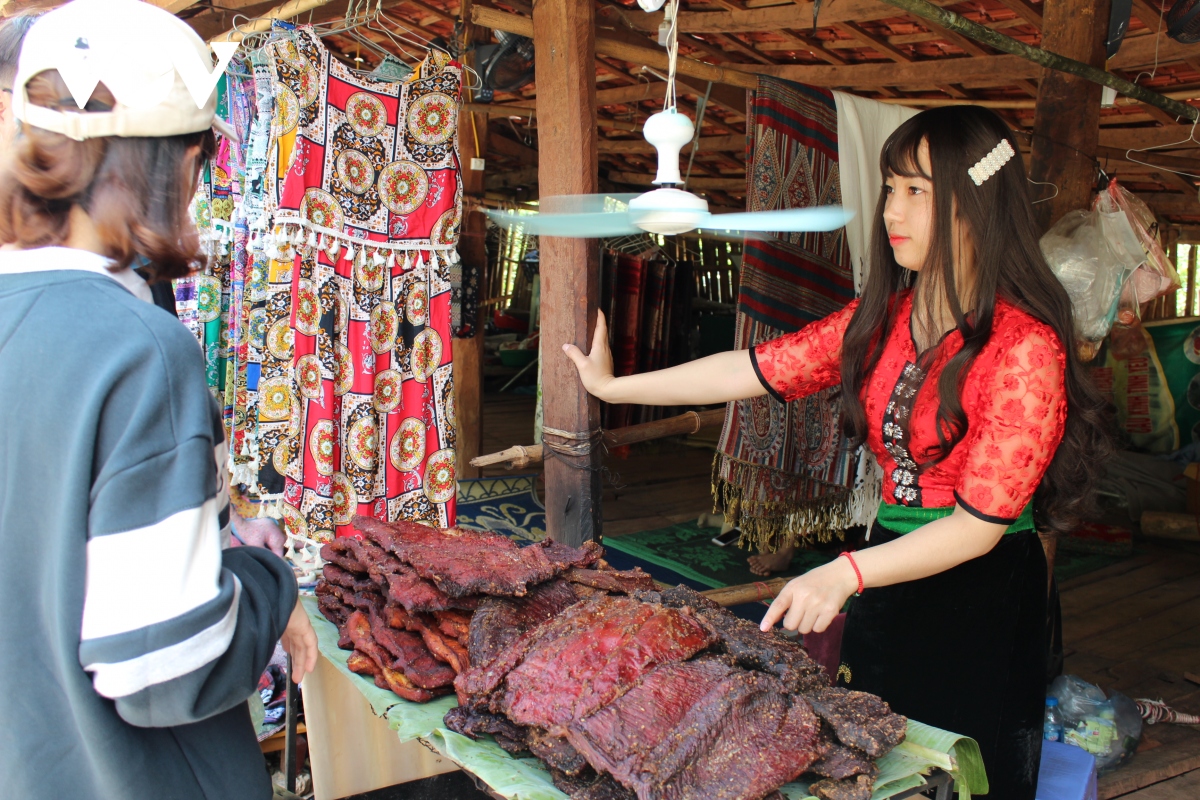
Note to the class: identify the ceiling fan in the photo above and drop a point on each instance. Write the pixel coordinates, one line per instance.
(669, 209)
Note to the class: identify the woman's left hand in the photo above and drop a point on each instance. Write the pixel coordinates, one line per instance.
(810, 602)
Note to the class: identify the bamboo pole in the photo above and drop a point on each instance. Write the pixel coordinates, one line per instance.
(746, 593)
(948, 19)
(690, 422)
(1168, 525)
(261, 24)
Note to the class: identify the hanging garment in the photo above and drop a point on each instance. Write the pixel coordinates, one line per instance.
(783, 470)
(368, 217)
(862, 127)
(625, 324)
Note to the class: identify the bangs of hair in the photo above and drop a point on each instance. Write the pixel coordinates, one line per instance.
(901, 155)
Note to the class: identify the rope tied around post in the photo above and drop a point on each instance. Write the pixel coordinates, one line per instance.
(580, 443)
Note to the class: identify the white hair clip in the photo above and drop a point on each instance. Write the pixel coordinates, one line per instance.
(990, 164)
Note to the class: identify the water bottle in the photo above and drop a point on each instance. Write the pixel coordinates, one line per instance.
(1052, 727)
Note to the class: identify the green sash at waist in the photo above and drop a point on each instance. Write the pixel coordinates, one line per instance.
(906, 519)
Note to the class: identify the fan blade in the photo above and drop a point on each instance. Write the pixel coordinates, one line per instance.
(584, 203)
(582, 226)
(792, 220)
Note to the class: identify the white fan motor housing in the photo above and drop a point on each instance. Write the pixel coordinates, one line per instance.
(668, 131)
(669, 211)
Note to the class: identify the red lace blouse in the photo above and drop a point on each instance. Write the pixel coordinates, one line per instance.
(1014, 398)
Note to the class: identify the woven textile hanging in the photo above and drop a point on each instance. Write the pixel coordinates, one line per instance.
(783, 471)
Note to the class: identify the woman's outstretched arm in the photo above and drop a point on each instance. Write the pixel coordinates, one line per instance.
(714, 379)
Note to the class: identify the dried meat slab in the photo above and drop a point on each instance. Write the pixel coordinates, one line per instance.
(406, 587)
(464, 562)
(590, 786)
(701, 730)
(858, 788)
(839, 761)
(770, 652)
(338, 552)
(500, 621)
(412, 656)
(556, 752)
(611, 581)
(378, 662)
(510, 737)
(859, 720)
(347, 580)
(590, 655)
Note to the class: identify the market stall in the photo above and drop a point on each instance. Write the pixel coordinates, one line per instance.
(927, 757)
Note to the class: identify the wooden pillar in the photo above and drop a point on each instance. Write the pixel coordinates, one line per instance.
(1066, 125)
(564, 41)
(468, 353)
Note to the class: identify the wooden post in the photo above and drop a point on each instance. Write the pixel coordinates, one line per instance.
(468, 353)
(1066, 125)
(1191, 281)
(564, 39)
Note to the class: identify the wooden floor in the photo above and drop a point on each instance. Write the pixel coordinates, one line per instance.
(1133, 627)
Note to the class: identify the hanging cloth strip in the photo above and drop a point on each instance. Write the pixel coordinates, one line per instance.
(784, 471)
(367, 218)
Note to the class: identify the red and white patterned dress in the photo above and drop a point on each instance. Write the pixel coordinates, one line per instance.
(374, 180)
(1013, 396)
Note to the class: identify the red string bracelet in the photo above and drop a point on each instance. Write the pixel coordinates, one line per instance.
(850, 557)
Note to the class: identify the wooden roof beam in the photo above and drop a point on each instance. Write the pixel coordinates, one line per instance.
(897, 40)
(1148, 14)
(1061, 64)
(430, 10)
(1169, 137)
(1025, 11)
(811, 44)
(741, 47)
(874, 42)
(1170, 204)
(772, 19)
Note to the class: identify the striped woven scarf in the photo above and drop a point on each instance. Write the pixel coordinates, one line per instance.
(783, 471)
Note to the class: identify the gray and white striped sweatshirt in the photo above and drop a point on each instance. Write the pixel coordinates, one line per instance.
(129, 641)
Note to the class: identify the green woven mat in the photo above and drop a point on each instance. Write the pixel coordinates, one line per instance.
(687, 549)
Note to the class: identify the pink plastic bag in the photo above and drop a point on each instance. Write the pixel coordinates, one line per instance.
(1156, 276)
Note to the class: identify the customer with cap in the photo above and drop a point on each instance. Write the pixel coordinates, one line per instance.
(130, 639)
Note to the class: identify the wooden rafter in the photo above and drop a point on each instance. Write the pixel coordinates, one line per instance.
(732, 42)
(876, 43)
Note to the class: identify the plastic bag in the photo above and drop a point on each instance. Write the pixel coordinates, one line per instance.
(1093, 253)
(1107, 727)
(1156, 275)
(1109, 260)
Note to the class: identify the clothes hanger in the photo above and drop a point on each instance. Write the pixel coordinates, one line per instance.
(1043, 183)
(1190, 138)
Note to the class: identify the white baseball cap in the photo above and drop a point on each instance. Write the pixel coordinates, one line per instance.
(158, 69)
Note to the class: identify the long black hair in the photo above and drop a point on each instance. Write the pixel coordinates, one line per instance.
(1007, 263)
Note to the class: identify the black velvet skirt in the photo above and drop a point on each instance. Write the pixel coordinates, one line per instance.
(965, 651)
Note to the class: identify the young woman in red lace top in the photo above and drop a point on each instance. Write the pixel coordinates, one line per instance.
(958, 372)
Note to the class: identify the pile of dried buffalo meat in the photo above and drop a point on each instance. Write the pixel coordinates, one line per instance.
(622, 690)
(404, 596)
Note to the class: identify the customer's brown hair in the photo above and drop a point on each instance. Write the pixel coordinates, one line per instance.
(135, 190)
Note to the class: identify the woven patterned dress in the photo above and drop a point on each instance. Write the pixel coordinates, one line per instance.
(367, 216)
